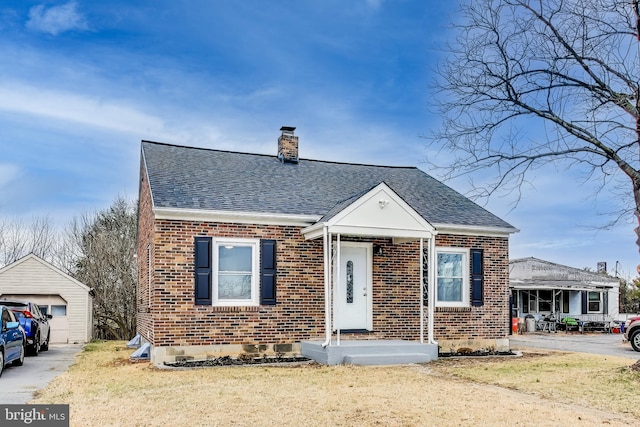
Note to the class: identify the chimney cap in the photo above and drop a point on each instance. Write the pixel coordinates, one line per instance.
(287, 129)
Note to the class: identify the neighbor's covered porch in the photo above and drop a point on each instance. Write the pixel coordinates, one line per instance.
(564, 305)
(348, 234)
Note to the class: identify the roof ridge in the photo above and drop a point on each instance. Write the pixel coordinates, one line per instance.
(271, 155)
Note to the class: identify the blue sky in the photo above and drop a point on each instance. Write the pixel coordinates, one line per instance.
(82, 82)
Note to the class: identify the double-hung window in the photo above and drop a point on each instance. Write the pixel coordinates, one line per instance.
(595, 300)
(452, 282)
(235, 272)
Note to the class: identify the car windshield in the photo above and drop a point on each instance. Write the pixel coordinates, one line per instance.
(19, 314)
(15, 304)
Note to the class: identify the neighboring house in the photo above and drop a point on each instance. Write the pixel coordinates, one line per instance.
(256, 253)
(69, 302)
(543, 288)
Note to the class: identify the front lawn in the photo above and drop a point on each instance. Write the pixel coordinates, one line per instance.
(104, 388)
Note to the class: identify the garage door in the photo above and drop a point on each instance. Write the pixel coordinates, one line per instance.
(54, 305)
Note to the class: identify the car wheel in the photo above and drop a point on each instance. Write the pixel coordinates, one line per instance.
(45, 345)
(1, 362)
(635, 340)
(20, 360)
(35, 348)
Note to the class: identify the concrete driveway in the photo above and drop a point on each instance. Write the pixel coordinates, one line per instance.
(18, 383)
(596, 343)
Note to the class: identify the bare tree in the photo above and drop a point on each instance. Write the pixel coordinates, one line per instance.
(99, 251)
(18, 239)
(570, 66)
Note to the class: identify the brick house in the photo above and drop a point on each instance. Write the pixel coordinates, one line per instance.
(248, 253)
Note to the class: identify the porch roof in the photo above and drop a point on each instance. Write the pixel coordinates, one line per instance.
(526, 285)
(377, 212)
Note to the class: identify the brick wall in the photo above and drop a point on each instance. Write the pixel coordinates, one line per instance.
(174, 320)
(489, 321)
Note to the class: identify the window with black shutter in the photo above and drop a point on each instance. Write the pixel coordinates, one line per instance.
(202, 257)
(267, 272)
(477, 277)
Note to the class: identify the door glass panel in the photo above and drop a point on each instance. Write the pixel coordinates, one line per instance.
(349, 282)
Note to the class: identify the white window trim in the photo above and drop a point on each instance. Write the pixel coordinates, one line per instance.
(255, 274)
(466, 283)
(600, 303)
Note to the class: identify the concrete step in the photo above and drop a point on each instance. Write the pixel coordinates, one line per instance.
(371, 352)
(386, 359)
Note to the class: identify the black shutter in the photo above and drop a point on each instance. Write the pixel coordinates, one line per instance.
(267, 272)
(585, 302)
(477, 278)
(605, 302)
(202, 257)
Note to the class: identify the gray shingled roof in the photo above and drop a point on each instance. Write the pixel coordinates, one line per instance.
(196, 178)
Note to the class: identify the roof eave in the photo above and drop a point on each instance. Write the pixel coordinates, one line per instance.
(474, 230)
(236, 217)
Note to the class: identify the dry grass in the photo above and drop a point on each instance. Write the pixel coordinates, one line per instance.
(104, 389)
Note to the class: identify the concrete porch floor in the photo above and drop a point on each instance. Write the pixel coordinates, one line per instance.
(370, 352)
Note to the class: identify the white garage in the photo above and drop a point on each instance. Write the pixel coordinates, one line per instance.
(68, 301)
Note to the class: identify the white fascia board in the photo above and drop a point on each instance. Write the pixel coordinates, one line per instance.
(313, 231)
(235, 217)
(379, 232)
(472, 230)
(398, 235)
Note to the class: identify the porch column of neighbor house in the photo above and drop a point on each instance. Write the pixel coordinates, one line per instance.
(326, 243)
(431, 287)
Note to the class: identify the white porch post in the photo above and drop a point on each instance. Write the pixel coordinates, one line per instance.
(326, 240)
(432, 287)
(337, 278)
(421, 295)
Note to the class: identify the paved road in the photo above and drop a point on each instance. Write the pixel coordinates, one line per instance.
(18, 383)
(597, 343)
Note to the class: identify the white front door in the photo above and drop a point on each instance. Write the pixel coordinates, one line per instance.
(353, 291)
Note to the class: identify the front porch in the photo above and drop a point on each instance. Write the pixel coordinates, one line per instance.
(370, 352)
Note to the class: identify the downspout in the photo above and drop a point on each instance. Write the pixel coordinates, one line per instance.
(432, 286)
(421, 292)
(327, 291)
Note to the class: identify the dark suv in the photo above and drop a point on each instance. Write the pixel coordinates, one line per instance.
(34, 323)
(632, 332)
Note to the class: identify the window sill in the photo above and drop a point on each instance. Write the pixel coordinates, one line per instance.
(233, 309)
(354, 331)
(453, 309)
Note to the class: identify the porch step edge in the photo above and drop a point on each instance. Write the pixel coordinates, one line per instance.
(386, 359)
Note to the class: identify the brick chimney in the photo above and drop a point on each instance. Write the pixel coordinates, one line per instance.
(288, 145)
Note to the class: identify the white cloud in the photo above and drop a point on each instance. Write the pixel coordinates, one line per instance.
(85, 110)
(56, 19)
(8, 173)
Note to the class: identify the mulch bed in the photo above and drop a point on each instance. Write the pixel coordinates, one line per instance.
(478, 353)
(233, 361)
